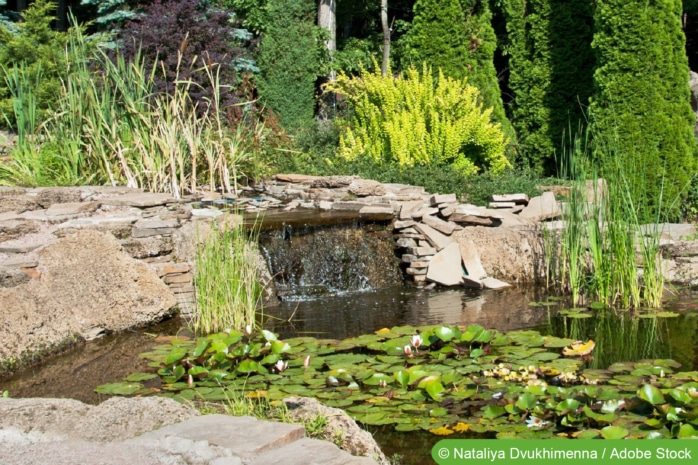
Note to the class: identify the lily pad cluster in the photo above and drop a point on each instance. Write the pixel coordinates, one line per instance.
(443, 379)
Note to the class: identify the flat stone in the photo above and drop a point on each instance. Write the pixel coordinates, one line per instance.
(405, 242)
(543, 207)
(9, 216)
(445, 268)
(497, 205)
(445, 227)
(155, 223)
(19, 248)
(403, 224)
(244, 436)
(142, 232)
(670, 231)
(438, 199)
(377, 210)
(407, 208)
(471, 260)
(493, 283)
(413, 271)
(366, 187)
(71, 209)
(419, 213)
(349, 205)
(472, 283)
(178, 278)
(163, 269)
(434, 237)
(308, 451)
(422, 251)
(206, 212)
(516, 198)
(295, 178)
(325, 205)
(139, 199)
(473, 220)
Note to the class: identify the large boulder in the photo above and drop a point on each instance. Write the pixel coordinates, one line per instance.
(85, 284)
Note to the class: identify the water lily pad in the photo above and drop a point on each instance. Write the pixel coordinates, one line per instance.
(135, 377)
(687, 431)
(651, 394)
(118, 389)
(177, 354)
(493, 411)
(614, 432)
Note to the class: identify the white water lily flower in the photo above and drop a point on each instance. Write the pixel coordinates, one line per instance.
(280, 366)
(535, 422)
(306, 362)
(408, 350)
(416, 341)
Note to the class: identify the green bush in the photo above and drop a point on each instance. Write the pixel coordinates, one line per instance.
(456, 37)
(550, 62)
(640, 111)
(290, 61)
(41, 52)
(417, 121)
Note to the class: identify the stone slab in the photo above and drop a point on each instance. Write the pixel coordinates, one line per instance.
(472, 283)
(543, 207)
(438, 199)
(498, 205)
(71, 209)
(516, 198)
(403, 224)
(440, 225)
(471, 260)
(419, 213)
(349, 205)
(308, 451)
(139, 200)
(155, 223)
(493, 283)
(422, 251)
(407, 208)
(434, 237)
(295, 178)
(445, 268)
(140, 233)
(244, 436)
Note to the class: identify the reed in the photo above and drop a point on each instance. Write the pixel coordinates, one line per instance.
(603, 252)
(228, 291)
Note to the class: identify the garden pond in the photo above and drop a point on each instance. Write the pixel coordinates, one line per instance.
(412, 365)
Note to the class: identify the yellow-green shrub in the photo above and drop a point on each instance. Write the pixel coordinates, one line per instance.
(417, 120)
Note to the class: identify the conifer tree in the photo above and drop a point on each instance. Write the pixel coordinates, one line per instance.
(640, 110)
(289, 61)
(456, 36)
(551, 64)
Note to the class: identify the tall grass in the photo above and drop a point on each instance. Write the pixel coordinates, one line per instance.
(110, 126)
(603, 254)
(228, 291)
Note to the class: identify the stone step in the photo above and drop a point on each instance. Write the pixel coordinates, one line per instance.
(309, 452)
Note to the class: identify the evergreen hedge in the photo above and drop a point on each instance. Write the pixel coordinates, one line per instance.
(551, 65)
(289, 62)
(640, 111)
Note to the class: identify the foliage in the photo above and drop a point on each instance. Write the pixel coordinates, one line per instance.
(414, 121)
(479, 189)
(640, 111)
(443, 379)
(40, 52)
(603, 244)
(111, 127)
(290, 60)
(456, 37)
(228, 291)
(189, 40)
(551, 63)
(110, 12)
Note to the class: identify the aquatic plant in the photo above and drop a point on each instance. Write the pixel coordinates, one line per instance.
(460, 380)
(228, 291)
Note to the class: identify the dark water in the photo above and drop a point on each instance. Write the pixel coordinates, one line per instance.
(619, 336)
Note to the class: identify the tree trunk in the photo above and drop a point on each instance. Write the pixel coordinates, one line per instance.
(386, 37)
(326, 19)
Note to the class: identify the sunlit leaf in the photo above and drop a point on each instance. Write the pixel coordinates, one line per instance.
(651, 394)
(614, 432)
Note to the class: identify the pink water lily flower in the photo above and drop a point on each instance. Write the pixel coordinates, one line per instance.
(408, 350)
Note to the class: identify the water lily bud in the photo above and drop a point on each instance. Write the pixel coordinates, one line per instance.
(408, 350)
(248, 329)
(306, 362)
(382, 383)
(190, 381)
(416, 341)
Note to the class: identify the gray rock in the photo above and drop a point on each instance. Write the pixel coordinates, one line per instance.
(86, 280)
(445, 227)
(471, 260)
(543, 207)
(515, 198)
(434, 237)
(333, 182)
(366, 187)
(407, 208)
(494, 283)
(139, 199)
(445, 268)
(438, 199)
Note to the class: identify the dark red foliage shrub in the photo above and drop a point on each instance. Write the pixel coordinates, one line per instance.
(205, 37)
